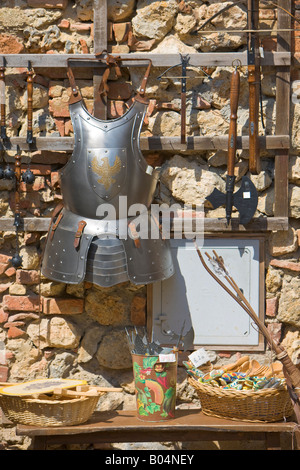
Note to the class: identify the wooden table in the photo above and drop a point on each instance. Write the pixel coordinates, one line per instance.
(124, 426)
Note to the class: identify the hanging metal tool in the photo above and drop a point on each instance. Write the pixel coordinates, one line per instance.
(184, 63)
(245, 199)
(16, 260)
(2, 103)
(183, 77)
(8, 172)
(254, 86)
(28, 177)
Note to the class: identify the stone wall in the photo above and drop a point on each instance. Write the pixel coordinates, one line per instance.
(58, 330)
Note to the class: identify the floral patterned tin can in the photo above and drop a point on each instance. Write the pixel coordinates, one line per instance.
(155, 387)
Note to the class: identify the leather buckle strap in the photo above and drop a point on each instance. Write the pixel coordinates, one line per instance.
(134, 234)
(55, 225)
(75, 94)
(145, 79)
(79, 232)
(56, 211)
(111, 61)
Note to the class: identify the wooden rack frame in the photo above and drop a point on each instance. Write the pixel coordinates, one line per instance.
(280, 142)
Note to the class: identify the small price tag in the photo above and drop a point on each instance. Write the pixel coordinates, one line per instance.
(167, 358)
(199, 357)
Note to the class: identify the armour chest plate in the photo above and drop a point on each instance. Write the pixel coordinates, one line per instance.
(106, 163)
(106, 166)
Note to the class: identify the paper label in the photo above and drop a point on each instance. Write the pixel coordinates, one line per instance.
(167, 358)
(246, 194)
(199, 357)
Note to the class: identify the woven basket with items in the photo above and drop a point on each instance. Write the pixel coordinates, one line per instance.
(51, 402)
(244, 391)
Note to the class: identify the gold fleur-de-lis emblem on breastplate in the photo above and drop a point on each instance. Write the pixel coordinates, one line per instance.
(105, 171)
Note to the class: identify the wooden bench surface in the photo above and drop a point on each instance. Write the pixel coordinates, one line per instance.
(123, 425)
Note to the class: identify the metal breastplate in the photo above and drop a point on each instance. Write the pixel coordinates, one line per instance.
(106, 163)
(99, 256)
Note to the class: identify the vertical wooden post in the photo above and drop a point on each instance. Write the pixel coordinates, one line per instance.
(282, 111)
(100, 44)
(254, 84)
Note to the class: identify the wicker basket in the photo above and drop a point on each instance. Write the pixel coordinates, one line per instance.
(266, 405)
(48, 411)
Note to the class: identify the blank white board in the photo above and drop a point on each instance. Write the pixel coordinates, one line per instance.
(194, 297)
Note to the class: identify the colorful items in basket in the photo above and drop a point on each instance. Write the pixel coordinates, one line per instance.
(234, 380)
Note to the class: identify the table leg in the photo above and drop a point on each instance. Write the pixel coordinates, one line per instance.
(39, 443)
(273, 441)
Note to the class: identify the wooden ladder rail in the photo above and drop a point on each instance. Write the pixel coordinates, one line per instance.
(283, 86)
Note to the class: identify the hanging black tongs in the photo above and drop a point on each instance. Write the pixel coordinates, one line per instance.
(185, 59)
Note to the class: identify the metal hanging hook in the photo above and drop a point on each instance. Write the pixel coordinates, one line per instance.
(185, 59)
(237, 64)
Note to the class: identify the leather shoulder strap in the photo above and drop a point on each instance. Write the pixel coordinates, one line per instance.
(111, 61)
(75, 94)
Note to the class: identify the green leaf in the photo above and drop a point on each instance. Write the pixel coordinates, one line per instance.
(152, 407)
(148, 362)
(142, 397)
(169, 393)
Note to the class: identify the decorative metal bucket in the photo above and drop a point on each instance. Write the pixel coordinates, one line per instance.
(155, 387)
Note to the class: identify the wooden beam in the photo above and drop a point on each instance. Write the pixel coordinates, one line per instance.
(211, 59)
(55, 144)
(100, 45)
(210, 143)
(100, 26)
(258, 224)
(296, 60)
(29, 224)
(283, 78)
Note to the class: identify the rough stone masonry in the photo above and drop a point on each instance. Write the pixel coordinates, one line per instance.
(58, 330)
